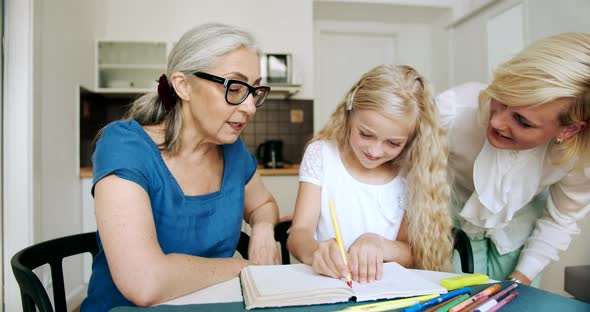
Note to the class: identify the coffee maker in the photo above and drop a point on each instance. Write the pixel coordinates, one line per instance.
(270, 153)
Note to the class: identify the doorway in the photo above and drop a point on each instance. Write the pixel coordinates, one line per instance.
(342, 55)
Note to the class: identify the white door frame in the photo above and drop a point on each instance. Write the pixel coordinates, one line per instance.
(17, 153)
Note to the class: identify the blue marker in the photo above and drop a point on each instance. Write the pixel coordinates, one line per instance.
(432, 302)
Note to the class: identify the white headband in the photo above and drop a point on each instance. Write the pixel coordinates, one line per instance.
(351, 98)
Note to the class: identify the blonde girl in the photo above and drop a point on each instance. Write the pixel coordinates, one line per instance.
(381, 159)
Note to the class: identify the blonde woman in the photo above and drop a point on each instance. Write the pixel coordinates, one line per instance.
(525, 133)
(381, 159)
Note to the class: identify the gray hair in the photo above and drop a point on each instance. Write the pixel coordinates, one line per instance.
(197, 50)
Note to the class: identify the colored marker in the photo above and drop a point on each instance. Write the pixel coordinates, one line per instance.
(474, 305)
(504, 301)
(486, 292)
(432, 302)
(494, 299)
(453, 303)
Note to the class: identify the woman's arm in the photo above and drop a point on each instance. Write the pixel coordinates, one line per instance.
(140, 270)
(568, 202)
(262, 213)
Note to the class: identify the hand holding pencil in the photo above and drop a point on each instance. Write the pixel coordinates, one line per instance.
(340, 243)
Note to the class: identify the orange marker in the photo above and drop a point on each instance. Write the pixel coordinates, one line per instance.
(486, 292)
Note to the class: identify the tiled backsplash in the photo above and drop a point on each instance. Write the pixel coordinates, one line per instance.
(288, 120)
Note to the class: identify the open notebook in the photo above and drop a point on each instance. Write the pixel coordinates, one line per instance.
(298, 284)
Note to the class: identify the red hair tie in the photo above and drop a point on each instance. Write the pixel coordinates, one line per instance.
(165, 93)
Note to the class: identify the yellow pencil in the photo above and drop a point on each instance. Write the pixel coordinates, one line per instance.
(390, 304)
(339, 242)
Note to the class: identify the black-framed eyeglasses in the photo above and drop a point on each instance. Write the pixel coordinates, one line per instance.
(237, 91)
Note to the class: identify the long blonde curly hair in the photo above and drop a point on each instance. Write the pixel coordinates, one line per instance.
(402, 94)
(550, 68)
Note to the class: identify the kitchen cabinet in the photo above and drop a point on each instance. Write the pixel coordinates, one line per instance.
(284, 189)
(134, 66)
(283, 91)
(126, 66)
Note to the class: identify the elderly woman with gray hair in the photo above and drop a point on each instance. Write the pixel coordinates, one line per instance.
(173, 181)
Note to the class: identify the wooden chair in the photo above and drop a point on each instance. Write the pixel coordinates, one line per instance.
(52, 252)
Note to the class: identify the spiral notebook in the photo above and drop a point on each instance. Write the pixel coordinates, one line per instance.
(297, 284)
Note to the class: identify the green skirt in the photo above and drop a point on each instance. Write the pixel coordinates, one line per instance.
(487, 260)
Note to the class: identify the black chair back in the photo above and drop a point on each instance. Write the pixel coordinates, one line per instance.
(463, 245)
(281, 236)
(51, 252)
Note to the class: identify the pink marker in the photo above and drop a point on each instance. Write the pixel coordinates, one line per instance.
(504, 301)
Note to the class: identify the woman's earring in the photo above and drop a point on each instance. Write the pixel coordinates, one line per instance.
(558, 141)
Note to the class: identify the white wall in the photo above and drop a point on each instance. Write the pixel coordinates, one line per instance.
(468, 59)
(468, 56)
(547, 17)
(440, 70)
(279, 26)
(469, 62)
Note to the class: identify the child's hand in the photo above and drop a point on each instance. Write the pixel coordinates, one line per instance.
(366, 258)
(327, 259)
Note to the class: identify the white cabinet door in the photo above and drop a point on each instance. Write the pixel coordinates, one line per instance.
(284, 190)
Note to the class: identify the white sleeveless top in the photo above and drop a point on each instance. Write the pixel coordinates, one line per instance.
(360, 207)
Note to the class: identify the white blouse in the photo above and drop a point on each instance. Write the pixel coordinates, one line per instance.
(495, 187)
(360, 207)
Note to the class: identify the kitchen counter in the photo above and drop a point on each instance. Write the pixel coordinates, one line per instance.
(289, 170)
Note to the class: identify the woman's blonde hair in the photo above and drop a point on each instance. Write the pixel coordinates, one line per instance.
(197, 50)
(551, 68)
(402, 94)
